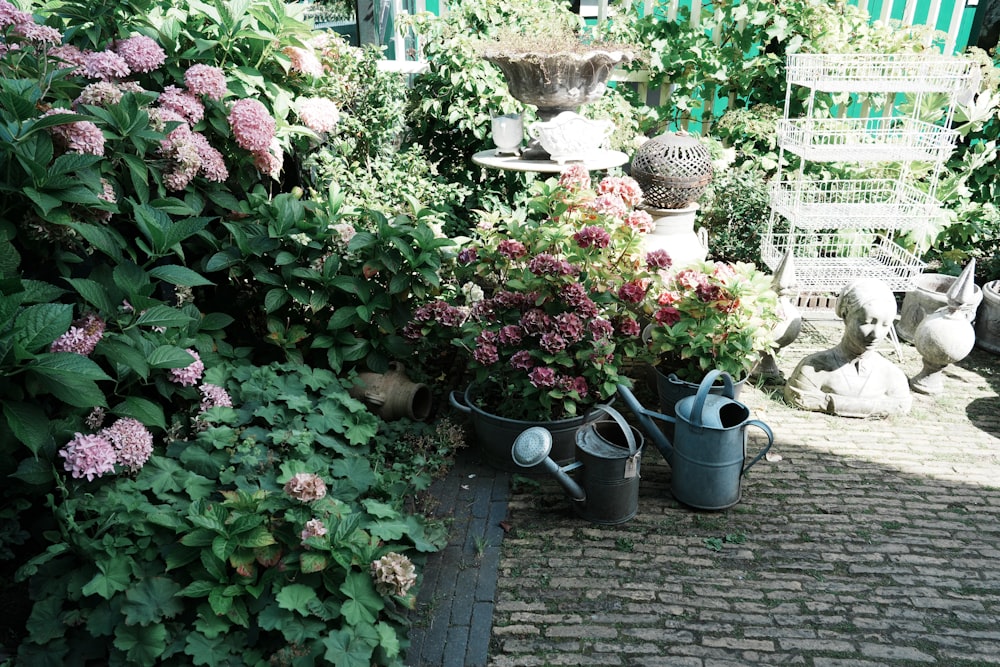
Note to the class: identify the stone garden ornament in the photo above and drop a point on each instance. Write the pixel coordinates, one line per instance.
(853, 379)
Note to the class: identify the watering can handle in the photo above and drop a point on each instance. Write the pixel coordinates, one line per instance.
(705, 388)
(457, 401)
(770, 441)
(617, 416)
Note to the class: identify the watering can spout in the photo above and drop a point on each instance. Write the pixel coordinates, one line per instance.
(645, 418)
(532, 448)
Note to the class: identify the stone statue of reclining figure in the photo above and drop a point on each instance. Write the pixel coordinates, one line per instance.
(853, 379)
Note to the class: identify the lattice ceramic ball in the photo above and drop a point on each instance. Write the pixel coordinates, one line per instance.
(673, 170)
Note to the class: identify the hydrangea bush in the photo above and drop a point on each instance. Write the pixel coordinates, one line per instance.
(548, 296)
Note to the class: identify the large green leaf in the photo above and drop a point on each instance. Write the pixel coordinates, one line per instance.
(38, 325)
(93, 293)
(169, 356)
(142, 644)
(115, 576)
(78, 392)
(364, 602)
(29, 424)
(67, 365)
(296, 597)
(344, 649)
(151, 600)
(34, 471)
(146, 411)
(179, 275)
(121, 353)
(163, 316)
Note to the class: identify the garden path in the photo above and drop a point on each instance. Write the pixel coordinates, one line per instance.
(862, 543)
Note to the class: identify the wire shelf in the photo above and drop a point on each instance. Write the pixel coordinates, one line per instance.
(876, 203)
(877, 72)
(828, 261)
(866, 139)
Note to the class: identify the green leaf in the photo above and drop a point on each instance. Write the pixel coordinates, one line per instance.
(163, 316)
(169, 356)
(380, 509)
(387, 639)
(34, 471)
(29, 424)
(179, 275)
(152, 600)
(122, 353)
(275, 299)
(344, 649)
(142, 644)
(313, 561)
(78, 392)
(104, 239)
(388, 530)
(296, 597)
(114, 577)
(146, 411)
(59, 365)
(215, 322)
(204, 651)
(259, 537)
(45, 622)
(93, 293)
(37, 326)
(364, 602)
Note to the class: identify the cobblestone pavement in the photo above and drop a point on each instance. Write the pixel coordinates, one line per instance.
(871, 542)
(861, 543)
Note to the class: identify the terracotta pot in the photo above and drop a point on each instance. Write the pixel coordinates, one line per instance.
(393, 395)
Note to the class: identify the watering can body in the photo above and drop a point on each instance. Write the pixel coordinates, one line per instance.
(709, 449)
(604, 485)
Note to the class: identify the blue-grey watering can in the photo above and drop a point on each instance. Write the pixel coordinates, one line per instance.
(608, 454)
(708, 455)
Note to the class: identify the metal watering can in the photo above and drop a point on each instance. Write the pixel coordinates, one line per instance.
(608, 454)
(708, 455)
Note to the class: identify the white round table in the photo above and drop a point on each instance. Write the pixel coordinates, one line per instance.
(600, 160)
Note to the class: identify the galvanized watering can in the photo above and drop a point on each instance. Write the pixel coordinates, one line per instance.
(608, 454)
(708, 456)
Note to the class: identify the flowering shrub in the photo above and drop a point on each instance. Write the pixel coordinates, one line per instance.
(714, 315)
(548, 309)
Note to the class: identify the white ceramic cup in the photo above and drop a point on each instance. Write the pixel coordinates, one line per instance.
(508, 132)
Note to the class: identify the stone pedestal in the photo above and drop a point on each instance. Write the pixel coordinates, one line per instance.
(675, 234)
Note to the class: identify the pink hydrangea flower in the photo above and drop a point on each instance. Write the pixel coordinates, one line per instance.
(575, 177)
(306, 487)
(542, 377)
(625, 187)
(68, 54)
(253, 127)
(41, 34)
(82, 337)
(269, 162)
(190, 374)
(213, 166)
(610, 204)
(319, 114)
(100, 93)
(141, 53)
(185, 160)
(304, 61)
(641, 221)
(314, 528)
(88, 456)
(11, 15)
(214, 396)
(105, 65)
(79, 137)
(206, 80)
(132, 441)
(183, 103)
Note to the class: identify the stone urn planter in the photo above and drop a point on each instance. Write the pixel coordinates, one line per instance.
(554, 81)
(988, 318)
(929, 293)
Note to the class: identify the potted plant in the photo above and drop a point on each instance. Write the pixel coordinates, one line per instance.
(712, 315)
(548, 307)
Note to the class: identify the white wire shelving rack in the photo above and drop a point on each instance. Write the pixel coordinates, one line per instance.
(842, 229)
